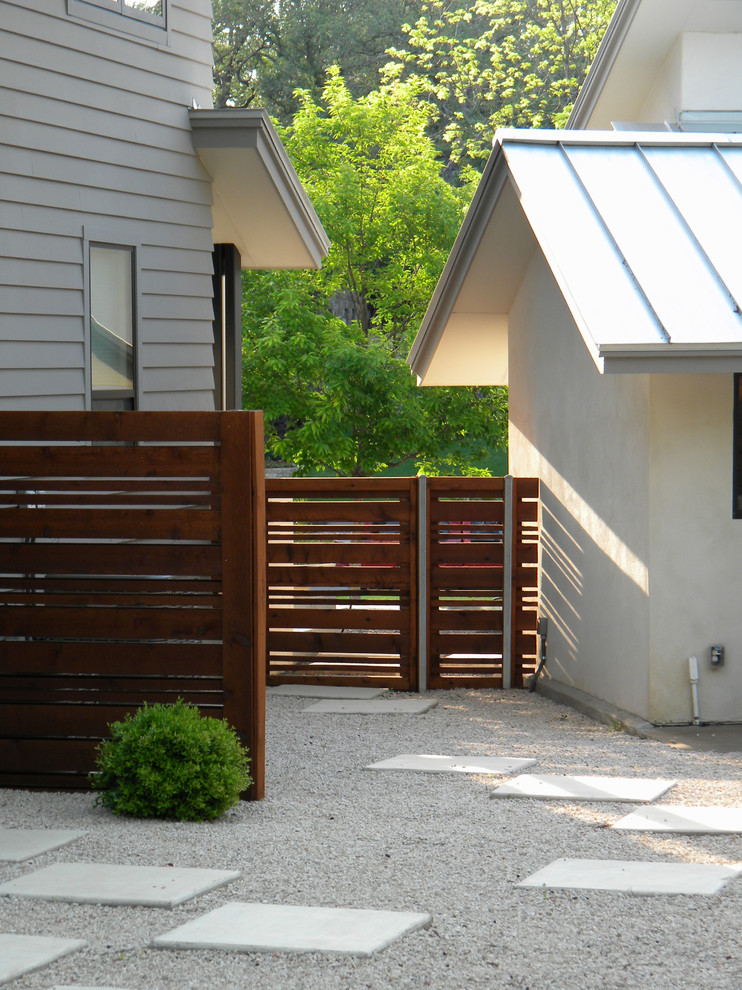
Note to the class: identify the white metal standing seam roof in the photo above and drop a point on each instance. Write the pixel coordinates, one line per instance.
(643, 233)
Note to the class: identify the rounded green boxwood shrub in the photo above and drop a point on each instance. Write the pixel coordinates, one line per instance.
(169, 761)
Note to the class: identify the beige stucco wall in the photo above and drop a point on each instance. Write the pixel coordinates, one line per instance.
(664, 98)
(595, 495)
(712, 72)
(696, 548)
(702, 72)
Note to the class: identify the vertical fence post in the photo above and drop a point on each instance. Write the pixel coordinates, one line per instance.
(423, 594)
(244, 585)
(507, 586)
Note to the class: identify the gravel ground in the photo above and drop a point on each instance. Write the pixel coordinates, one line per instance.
(330, 833)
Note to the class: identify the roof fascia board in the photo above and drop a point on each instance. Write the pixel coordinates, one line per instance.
(673, 364)
(617, 139)
(603, 62)
(671, 359)
(275, 153)
(459, 261)
(722, 349)
(294, 195)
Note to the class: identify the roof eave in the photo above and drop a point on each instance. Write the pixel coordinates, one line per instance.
(458, 263)
(259, 201)
(668, 358)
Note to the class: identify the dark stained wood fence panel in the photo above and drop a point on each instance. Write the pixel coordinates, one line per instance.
(132, 569)
(176, 463)
(156, 561)
(466, 541)
(171, 659)
(342, 581)
(466, 559)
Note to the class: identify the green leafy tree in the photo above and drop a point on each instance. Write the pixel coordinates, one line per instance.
(324, 352)
(499, 63)
(318, 34)
(246, 38)
(266, 50)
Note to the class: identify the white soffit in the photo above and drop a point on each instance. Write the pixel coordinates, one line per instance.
(463, 338)
(259, 203)
(639, 231)
(639, 38)
(473, 350)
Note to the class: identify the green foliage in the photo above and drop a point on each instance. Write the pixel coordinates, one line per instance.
(324, 352)
(482, 64)
(337, 393)
(265, 51)
(499, 63)
(246, 36)
(169, 761)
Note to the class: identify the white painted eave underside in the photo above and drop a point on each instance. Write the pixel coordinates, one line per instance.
(259, 204)
(641, 233)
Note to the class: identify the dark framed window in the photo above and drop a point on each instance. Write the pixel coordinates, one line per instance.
(147, 9)
(112, 325)
(737, 459)
(227, 284)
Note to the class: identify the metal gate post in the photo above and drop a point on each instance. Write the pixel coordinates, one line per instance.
(423, 605)
(507, 586)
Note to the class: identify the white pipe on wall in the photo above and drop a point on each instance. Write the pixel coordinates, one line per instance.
(693, 665)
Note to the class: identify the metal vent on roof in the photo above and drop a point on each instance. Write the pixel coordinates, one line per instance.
(711, 121)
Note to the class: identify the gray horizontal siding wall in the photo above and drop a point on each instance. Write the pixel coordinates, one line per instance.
(95, 140)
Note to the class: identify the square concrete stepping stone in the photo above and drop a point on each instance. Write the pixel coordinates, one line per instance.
(241, 927)
(326, 691)
(17, 844)
(374, 706)
(453, 764)
(631, 877)
(20, 954)
(103, 883)
(685, 820)
(555, 787)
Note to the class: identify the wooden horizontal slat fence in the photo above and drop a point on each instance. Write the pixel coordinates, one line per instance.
(482, 563)
(132, 569)
(342, 581)
(466, 581)
(349, 601)
(526, 538)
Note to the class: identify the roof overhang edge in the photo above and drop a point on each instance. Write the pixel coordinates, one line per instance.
(602, 65)
(248, 130)
(459, 260)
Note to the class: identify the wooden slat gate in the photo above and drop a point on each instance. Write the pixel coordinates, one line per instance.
(482, 581)
(406, 583)
(132, 569)
(342, 581)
